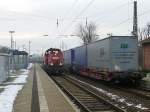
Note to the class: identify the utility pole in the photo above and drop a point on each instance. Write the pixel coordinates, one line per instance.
(57, 23)
(15, 44)
(135, 24)
(29, 51)
(86, 23)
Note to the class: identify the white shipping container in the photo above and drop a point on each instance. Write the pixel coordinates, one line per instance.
(116, 53)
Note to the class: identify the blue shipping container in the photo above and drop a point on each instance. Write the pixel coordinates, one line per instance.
(80, 57)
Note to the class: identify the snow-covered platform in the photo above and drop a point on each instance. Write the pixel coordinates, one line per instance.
(51, 99)
(10, 89)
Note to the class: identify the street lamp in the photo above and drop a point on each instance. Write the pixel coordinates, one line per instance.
(11, 33)
(12, 57)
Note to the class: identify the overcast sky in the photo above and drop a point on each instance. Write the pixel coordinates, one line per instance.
(31, 19)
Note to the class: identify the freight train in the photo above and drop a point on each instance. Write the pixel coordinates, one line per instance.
(113, 59)
(53, 61)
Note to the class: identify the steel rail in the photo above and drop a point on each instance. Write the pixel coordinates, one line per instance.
(83, 107)
(95, 95)
(72, 96)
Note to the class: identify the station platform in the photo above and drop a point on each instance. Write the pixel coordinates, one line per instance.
(41, 94)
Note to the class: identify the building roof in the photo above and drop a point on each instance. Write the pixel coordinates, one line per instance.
(16, 52)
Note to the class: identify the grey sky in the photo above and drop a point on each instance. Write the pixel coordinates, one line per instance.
(31, 19)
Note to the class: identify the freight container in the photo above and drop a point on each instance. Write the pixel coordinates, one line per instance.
(112, 59)
(113, 54)
(67, 57)
(79, 55)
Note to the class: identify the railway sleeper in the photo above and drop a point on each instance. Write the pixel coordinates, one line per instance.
(88, 100)
(82, 97)
(80, 94)
(96, 108)
(94, 103)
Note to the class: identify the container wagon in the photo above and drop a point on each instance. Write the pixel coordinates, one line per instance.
(111, 59)
(53, 61)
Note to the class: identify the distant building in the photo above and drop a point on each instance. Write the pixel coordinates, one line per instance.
(146, 53)
(36, 58)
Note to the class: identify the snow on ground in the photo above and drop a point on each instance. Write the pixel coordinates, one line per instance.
(12, 76)
(7, 97)
(24, 71)
(116, 97)
(30, 65)
(21, 79)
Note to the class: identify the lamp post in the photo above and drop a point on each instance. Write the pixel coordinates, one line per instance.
(12, 57)
(11, 33)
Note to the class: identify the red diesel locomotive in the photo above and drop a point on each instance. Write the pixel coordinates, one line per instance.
(53, 61)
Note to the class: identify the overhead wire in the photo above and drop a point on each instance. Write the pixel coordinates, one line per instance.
(30, 15)
(70, 9)
(128, 19)
(120, 6)
(74, 3)
(77, 16)
(114, 10)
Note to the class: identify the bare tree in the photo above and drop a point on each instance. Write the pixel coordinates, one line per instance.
(144, 33)
(87, 33)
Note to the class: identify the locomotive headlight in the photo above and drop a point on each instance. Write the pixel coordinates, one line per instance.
(51, 64)
(60, 63)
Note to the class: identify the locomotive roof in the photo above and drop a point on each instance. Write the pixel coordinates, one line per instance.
(53, 49)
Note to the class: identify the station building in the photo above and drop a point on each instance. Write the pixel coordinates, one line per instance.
(20, 60)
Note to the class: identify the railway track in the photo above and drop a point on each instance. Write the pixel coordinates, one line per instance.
(139, 101)
(140, 91)
(85, 98)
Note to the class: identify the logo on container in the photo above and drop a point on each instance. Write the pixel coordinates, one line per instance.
(124, 45)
